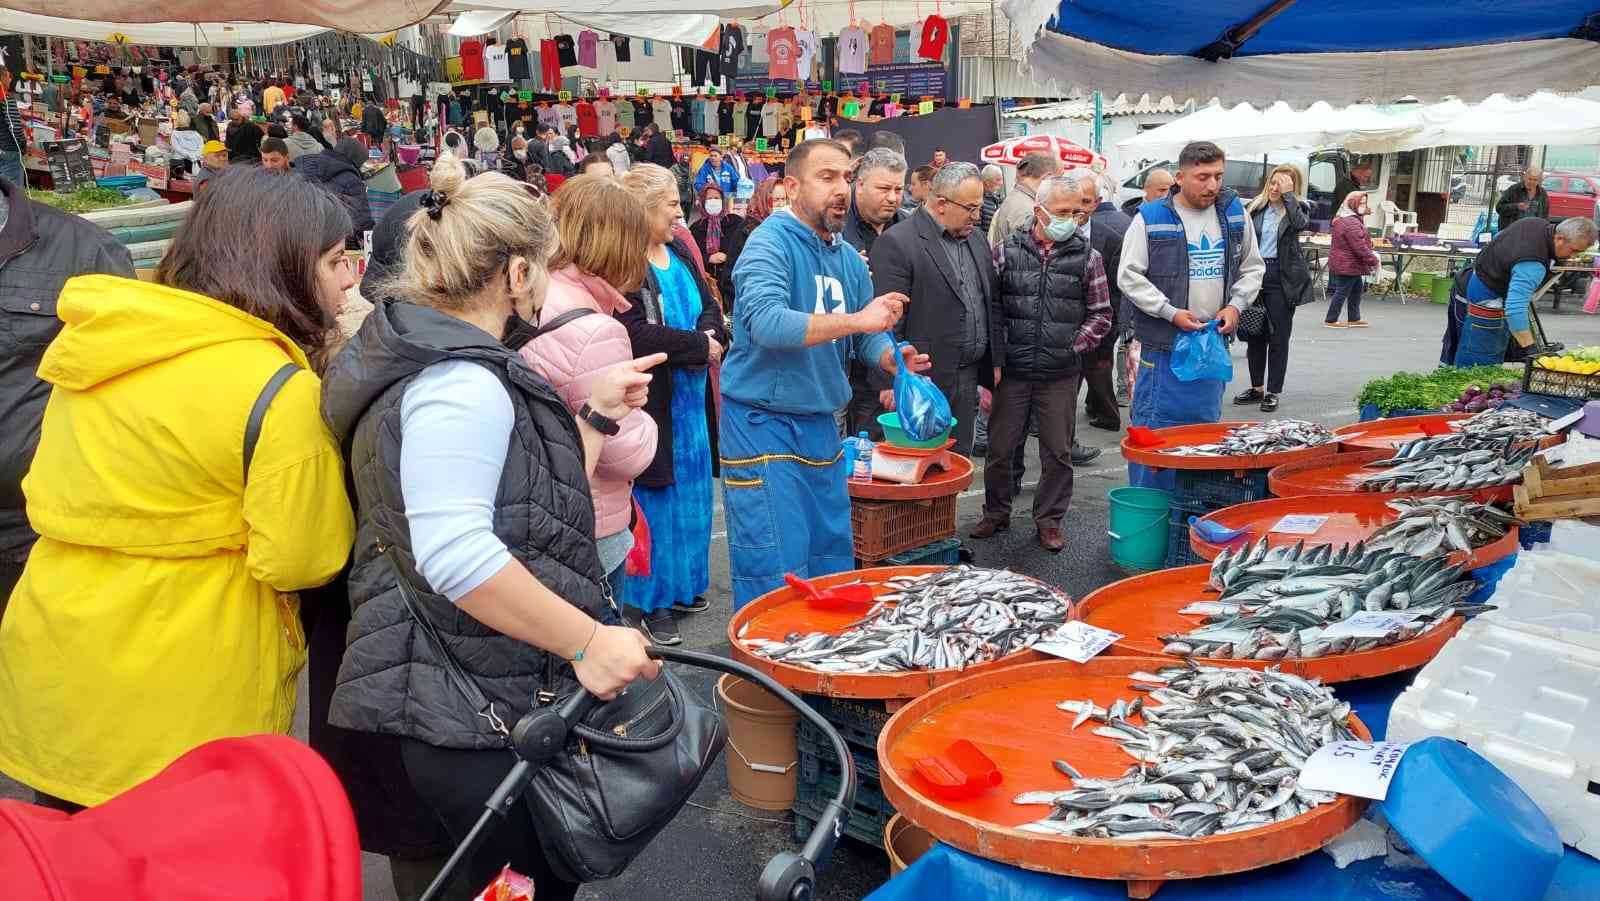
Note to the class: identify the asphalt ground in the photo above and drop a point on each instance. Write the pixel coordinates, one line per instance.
(717, 847)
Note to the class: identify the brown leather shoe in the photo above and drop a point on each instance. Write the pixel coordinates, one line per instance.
(1051, 539)
(988, 528)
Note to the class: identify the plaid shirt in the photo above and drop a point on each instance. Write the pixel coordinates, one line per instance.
(1096, 300)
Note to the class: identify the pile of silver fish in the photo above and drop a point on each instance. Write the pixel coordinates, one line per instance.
(1504, 422)
(1427, 524)
(1450, 463)
(1274, 436)
(1218, 751)
(950, 619)
(1289, 601)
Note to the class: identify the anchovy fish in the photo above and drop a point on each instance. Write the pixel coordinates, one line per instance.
(949, 619)
(1221, 753)
(1268, 437)
(1504, 422)
(1426, 524)
(1449, 463)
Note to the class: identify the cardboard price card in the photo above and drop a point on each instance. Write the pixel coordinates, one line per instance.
(1299, 524)
(1078, 641)
(772, 91)
(564, 96)
(1360, 768)
(925, 107)
(524, 96)
(761, 145)
(642, 92)
(827, 86)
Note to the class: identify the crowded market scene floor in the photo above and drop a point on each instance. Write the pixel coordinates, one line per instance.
(482, 450)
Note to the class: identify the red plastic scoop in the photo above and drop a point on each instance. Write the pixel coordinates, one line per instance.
(962, 771)
(856, 596)
(1434, 429)
(1143, 436)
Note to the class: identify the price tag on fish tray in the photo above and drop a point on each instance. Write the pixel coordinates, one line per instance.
(1299, 524)
(1078, 641)
(1370, 624)
(1360, 768)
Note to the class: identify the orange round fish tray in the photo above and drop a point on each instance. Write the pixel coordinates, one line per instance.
(1143, 608)
(1343, 475)
(1351, 518)
(937, 483)
(784, 610)
(1158, 456)
(1388, 434)
(1012, 718)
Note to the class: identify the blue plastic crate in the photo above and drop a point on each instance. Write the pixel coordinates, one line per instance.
(858, 720)
(1179, 553)
(1369, 412)
(944, 552)
(1208, 489)
(818, 779)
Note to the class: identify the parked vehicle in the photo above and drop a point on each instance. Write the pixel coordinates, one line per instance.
(1571, 194)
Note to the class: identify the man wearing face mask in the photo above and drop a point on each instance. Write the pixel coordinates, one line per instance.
(1056, 304)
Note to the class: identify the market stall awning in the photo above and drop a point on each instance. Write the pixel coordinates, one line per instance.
(359, 16)
(1243, 129)
(158, 34)
(1544, 118)
(1260, 52)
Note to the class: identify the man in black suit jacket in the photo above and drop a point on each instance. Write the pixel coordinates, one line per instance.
(937, 258)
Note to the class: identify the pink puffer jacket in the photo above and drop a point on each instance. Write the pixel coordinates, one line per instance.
(570, 358)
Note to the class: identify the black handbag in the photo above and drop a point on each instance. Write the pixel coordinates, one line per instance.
(1254, 325)
(624, 772)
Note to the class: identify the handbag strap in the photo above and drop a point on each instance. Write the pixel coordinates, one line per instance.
(452, 667)
(523, 335)
(258, 412)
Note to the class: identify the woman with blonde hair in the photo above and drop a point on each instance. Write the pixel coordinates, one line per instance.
(604, 236)
(474, 515)
(1279, 216)
(674, 313)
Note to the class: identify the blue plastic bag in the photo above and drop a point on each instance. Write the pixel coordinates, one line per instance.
(1201, 356)
(924, 411)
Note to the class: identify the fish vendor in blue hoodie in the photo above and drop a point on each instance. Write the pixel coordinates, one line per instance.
(805, 307)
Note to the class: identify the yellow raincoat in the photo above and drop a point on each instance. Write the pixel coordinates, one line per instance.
(157, 611)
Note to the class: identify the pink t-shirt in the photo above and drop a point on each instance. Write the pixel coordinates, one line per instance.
(587, 44)
(783, 54)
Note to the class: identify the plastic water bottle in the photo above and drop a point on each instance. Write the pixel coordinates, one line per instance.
(861, 468)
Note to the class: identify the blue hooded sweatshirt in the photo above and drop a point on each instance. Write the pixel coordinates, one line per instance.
(785, 274)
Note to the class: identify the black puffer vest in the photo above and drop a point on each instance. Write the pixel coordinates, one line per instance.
(1523, 241)
(390, 680)
(1043, 301)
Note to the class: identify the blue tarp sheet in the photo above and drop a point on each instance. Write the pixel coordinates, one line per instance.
(945, 873)
(1351, 26)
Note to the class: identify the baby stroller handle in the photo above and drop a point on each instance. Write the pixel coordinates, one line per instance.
(540, 735)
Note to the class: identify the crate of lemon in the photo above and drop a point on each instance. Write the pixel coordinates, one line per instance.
(1574, 373)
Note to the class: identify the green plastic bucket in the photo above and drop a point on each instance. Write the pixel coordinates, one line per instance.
(1139, 527)
(1442, 286)
(1421, 282)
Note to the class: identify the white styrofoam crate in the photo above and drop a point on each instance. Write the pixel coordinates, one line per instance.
(1530, 705)
(1552, 595)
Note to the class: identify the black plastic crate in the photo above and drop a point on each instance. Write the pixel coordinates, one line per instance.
(1179, 553)
(1214, 489)
(818, 780)
(816, 756)
(858, 720)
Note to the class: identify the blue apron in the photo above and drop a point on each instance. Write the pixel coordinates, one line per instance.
(1482, 328)
(1160, 400)
(783, 490)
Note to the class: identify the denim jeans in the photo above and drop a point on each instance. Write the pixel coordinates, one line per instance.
(1483, 340)
(1344, 288)
(11, 168)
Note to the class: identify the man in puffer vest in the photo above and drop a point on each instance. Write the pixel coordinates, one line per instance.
(1186, 260)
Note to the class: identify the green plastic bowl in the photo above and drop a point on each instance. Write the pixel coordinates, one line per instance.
(897, 436)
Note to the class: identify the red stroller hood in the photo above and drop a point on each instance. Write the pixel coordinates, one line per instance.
(260, 818)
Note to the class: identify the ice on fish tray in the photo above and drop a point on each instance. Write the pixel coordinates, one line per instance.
(1362, 841)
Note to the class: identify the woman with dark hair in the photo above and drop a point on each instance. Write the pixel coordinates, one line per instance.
(158, 610)
(339, 170)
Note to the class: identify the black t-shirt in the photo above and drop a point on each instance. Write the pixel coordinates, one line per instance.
(829, 107)
(642, 113)
(732, 45)
(623, 48)
(752, 118)
(680, 115)
(725, 117)
(876, 107)
(565, 51)
(517, 58)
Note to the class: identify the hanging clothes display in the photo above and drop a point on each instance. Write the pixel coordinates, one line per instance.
(782, 54)
(806, 57)
(550, 65)
(566, 50)
(935, 32)
(852, 50)
(731, 46)
(517, 59)
(588, 49)
(472, 60)
(882, 44)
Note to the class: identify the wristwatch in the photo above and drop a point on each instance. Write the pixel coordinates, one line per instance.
(605, 425)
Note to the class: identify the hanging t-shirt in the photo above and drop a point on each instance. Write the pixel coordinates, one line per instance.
(565, 50)
(708, 116)
(852, 51)
(678, 114)
(731, 47)
(588, 49)
(882, 44)
(725, 117)
(782, 54)
(624, 50)
(588, 119)
(757, 42)
(642, 111)
(935, 32)
(752, 118)
(569, 116)
(517, 59)
(548, 117)
(741, 122)
(807, 56)
(661, 114)
(769, 120)
(606, 117)
(496, 63)
(625, 117)
(472, 60)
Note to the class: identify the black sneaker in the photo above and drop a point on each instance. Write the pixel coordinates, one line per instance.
(1253, 396)
(659, 627)
(698, 605)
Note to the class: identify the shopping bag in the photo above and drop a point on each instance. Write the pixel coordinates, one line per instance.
(924, 411)
(1202, 356)
(1591, 303)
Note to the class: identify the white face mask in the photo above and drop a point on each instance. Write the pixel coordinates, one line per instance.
(521, 154)
(714, 207)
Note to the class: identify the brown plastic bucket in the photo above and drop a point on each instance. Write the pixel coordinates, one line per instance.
(762, 756)
(904, 841)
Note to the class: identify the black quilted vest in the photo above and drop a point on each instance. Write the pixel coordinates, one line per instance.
(390, 681)
(1044, 304)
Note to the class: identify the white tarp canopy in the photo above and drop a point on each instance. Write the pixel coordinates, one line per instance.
(159, 34)
(1543, 118)
(360, 16)
(1243, 129)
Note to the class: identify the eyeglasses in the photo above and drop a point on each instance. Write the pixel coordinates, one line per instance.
(972, 209)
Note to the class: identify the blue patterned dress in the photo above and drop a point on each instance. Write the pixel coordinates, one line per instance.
(679, 514)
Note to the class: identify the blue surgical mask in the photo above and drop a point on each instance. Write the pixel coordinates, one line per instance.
(1061, 229)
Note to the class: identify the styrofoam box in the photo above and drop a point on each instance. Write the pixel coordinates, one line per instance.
(1572, 536)
(1528, 704)
(1550, 594)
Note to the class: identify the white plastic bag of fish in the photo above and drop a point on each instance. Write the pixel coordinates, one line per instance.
(1360, 768)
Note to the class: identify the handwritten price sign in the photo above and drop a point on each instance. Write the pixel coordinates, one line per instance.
(1078, 641)
(1360, 768)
